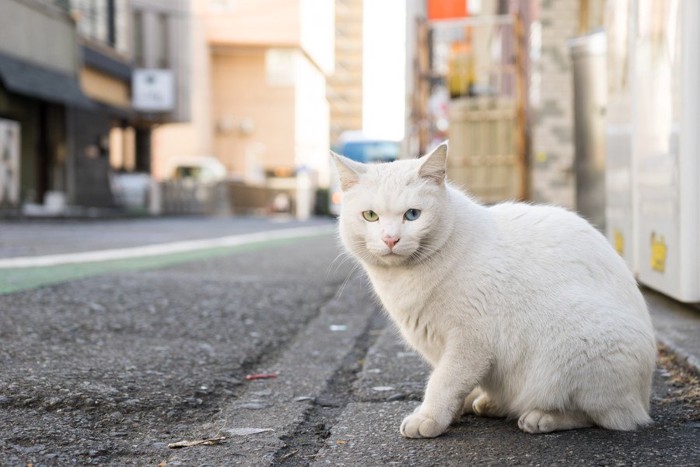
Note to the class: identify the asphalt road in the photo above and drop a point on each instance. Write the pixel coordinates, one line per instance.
(114, 366)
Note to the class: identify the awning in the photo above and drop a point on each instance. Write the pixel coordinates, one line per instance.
(25, 78)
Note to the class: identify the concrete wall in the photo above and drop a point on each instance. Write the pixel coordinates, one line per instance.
(193, 138)
(312, 117)
(345, 84)
(170, 21)
(553, 178)
(258, 97)
(252, 22)
(253, 118)
(56, 46)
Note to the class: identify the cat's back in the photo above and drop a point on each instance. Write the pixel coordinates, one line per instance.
(549, 241)
(547, 229)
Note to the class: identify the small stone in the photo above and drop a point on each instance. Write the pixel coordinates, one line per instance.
(303, 398)
(254, 405)
(327, 402)
(382, 388)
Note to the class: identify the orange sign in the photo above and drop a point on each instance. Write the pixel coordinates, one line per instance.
(447, 9)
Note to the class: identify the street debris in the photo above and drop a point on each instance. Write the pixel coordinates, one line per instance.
(254, 376)
(303, 398)
(197, 442)
(382, 388)
(288, 455)
(245, 431)
(338, 327)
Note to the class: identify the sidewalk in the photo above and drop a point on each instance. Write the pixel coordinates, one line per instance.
(112, 369)
(391, 383)
(677, 327)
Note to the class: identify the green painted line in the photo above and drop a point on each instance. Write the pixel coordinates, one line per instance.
(17, 279)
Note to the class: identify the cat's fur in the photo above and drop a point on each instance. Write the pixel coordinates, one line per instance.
(523, 311)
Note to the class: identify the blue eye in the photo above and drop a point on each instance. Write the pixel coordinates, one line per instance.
(412, 214)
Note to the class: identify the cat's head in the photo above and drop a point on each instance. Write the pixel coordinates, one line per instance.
(392, 213)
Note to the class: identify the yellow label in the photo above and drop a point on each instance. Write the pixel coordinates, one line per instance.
(658, 252)
(619, 242)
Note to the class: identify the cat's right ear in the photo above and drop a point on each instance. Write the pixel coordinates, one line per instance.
(348, 170)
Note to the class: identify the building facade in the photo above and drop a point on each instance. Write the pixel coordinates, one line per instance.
(69, 114)
(259, 100)
(39, 90)
(345, 84)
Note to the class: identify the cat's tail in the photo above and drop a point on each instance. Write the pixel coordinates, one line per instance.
(622, 418)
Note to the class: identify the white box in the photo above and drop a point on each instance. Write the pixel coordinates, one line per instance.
(666, 148)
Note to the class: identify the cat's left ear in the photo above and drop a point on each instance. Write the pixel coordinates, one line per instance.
(434, 165)
(348, 170)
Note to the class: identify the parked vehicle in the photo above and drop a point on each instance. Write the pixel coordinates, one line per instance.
(361, 149)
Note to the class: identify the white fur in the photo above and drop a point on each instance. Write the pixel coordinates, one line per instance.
(523, 311)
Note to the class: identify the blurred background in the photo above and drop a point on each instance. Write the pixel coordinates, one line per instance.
(229, 107)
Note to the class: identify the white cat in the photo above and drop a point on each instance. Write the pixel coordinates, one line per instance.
(523, 311)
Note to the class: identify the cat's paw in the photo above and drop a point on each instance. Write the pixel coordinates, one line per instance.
(483, 406)
(538, 421)
(418, 425)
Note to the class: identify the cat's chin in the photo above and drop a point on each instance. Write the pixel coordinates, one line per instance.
(391, 259)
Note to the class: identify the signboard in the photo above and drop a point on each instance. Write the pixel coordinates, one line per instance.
(153, 90)
(9, 162)
(448, 9)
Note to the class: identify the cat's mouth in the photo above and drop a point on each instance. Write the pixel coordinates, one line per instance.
(392, 257)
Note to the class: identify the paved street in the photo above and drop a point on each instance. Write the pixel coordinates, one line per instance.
(271, 352)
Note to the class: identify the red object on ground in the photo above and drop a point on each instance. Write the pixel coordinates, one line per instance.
(255, 376)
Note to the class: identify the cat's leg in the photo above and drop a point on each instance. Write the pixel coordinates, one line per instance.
(484, 406)
(455, 376)
(467, 407)
(540, 421)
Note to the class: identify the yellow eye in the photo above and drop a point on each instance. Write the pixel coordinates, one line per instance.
(370, 216)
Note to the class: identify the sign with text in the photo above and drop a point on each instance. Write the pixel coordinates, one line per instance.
(153, 90)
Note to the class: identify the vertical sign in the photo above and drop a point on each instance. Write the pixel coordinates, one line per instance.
(9, 162)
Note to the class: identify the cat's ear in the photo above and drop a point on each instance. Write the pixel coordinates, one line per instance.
(349, 171)
(434, 165)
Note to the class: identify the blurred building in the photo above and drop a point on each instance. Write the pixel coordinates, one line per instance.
(553, 167)
(80, 95)
(136, 69)
(105, 77)
(259, 100)
(345, 84)
(39, 93)
(461, 51)
(468, 73)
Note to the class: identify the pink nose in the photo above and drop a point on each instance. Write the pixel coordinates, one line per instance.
(391, 241)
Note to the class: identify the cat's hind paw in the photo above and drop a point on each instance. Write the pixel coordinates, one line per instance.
(418, 425)
(538, 421)
(483, 406)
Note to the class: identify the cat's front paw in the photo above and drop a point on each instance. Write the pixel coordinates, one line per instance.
(418, 425)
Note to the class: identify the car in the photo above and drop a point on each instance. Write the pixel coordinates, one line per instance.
(360, 149)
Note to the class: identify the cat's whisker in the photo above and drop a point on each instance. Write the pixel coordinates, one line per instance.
(355, 268)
